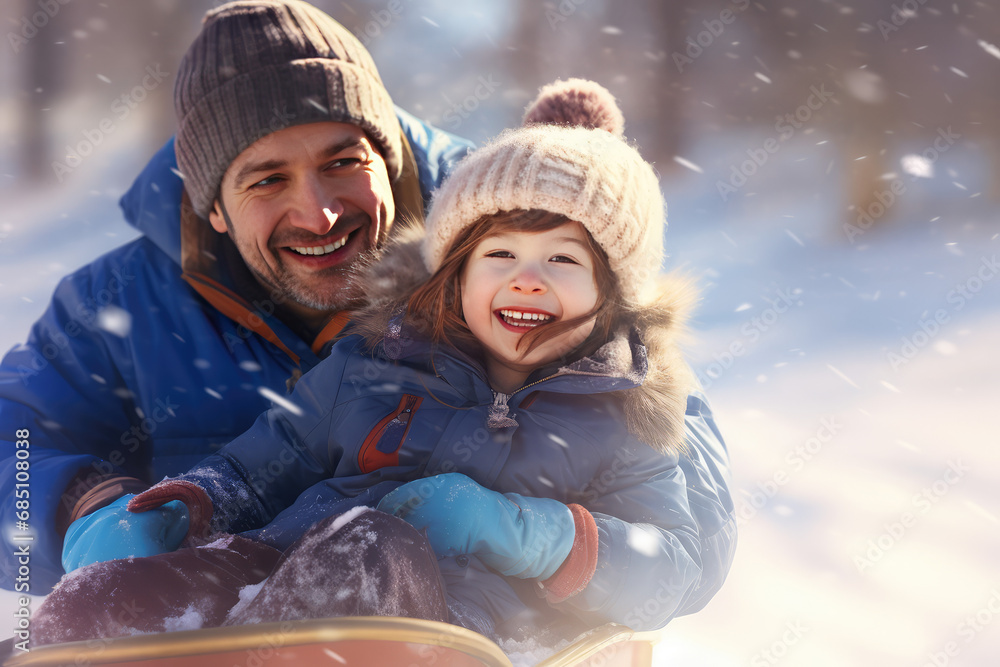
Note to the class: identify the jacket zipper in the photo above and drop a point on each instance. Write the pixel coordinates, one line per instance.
(497, 401)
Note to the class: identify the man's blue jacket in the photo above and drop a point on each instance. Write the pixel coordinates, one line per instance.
(146, 361)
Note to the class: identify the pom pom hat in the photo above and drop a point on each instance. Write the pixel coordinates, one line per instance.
(569, 159)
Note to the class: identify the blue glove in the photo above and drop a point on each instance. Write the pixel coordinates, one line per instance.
(113, 532)
(515, 535)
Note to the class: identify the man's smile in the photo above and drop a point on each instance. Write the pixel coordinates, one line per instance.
(322, 252)
(320, 249)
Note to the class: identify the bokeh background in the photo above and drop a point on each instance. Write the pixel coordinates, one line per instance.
(832, 172)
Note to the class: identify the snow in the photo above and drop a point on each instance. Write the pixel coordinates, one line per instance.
(334, 656)
(527, 652)
(280, 400)
(878, 534)
(115, 320)
(191, 619)
(687, 164)
(247, 594)
(989, 48)
(347, 517)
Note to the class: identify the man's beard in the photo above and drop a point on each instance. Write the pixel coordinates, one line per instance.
(347, 292)
(281, 287)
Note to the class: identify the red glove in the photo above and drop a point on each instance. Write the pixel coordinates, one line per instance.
(198, 503)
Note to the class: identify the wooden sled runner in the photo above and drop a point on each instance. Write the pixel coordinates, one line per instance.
(363, 641)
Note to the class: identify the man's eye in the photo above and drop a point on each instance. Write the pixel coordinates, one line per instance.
(344, 162)
(263, 183)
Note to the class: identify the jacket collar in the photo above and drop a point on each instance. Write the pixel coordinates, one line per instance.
(642, 367)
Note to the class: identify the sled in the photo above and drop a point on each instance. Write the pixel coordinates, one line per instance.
(364, 641)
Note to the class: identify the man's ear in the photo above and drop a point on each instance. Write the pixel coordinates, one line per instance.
(216, 218)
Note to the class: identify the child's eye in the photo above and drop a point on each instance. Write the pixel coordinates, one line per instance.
(500, 253)
(563, 258)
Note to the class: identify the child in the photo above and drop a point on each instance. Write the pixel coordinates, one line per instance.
(523, 407)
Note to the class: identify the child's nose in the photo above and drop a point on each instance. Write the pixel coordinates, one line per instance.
(528, 282)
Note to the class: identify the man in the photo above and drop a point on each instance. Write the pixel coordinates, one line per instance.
(292, 165)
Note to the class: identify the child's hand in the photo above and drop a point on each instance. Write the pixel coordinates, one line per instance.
(515, 535)
(113, 532)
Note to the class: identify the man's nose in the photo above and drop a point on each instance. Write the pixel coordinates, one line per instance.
(315, 209)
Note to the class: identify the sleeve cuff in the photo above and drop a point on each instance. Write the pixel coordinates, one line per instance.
(100, 495)
(579, 567)
(198, 503)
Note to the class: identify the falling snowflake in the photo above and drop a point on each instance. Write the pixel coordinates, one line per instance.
(989, 48)
(641, 541)
(843, 377)
(559, 441)
(917, 166)
(945, 347)
(277, 399)
(335, 656)
(115, 321)
(687, 163)
(794, 237)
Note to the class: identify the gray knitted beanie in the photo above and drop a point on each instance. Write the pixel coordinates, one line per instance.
(568, 159)
(261, 66)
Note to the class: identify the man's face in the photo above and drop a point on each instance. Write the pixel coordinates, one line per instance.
(304, 204)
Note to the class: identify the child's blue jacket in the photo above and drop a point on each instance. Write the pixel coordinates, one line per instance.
(362, 422)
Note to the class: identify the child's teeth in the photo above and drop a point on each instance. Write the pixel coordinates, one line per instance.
(523, 318)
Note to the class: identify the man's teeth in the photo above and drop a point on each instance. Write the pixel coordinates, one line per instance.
(323, 249)
(521, 319)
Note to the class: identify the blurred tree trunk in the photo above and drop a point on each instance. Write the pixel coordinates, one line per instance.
(524, 62)
(37, 62)
(665, 96)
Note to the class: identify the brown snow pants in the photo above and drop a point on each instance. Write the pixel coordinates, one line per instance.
(373, 565)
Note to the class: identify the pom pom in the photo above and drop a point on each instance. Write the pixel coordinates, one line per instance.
(576, 102)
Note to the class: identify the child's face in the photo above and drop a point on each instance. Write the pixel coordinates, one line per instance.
(516, 281)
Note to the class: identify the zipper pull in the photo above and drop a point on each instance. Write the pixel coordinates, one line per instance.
(497, 417)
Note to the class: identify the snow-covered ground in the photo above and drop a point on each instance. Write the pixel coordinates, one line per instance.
(856, 385)
(859, 409)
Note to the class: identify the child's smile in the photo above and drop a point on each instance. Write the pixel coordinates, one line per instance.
(521, 319)
(515, 282)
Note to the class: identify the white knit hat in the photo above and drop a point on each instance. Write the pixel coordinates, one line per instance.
(586, 172)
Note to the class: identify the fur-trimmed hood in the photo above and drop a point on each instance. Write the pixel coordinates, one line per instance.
(650, 358)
